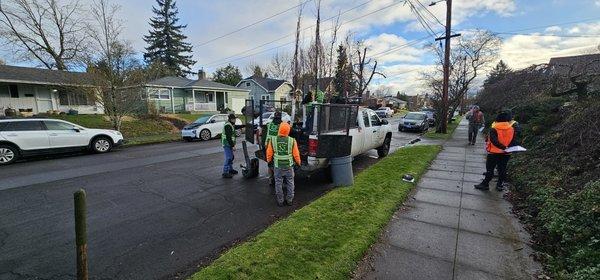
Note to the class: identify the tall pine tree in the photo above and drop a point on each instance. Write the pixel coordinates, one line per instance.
(497, 73)
(344, 82)
(166, 42)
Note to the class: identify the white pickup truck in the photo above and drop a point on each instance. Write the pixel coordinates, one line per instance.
(330, 131)
(365, 131)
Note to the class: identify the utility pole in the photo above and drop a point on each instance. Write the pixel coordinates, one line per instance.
(444, 127)
(444, 117)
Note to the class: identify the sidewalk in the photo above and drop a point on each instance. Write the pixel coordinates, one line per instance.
(449, 230)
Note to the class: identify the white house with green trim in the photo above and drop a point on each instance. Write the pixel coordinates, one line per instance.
(176, 94)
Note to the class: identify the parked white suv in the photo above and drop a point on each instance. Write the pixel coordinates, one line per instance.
(207, 127)
(25, 137)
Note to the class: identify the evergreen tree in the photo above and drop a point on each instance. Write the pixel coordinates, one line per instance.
(229, 75)
(344, 79)
(257, 72)
(498, 73)
(166, 42)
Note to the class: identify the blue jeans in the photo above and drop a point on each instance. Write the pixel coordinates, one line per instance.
(228, 165)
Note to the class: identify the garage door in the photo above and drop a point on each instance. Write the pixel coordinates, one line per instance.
(237, 104)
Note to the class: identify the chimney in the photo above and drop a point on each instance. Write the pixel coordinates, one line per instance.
(201, 74)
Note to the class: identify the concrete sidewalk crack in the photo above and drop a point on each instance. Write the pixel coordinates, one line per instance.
(462, 182)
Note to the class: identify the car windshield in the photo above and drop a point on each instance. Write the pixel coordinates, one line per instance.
(414, 116)
(202, 120)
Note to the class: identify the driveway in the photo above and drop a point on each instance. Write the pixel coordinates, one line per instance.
(154, 212)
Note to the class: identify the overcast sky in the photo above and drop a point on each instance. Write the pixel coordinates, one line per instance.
(383, 24)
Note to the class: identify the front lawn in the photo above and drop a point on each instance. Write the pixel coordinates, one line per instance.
(327, 238)
(135, 130)
(443, 136)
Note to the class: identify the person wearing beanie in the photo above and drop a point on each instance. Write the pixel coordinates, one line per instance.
(501, 136)
(271, 135)
(283, 152)
(476, 120)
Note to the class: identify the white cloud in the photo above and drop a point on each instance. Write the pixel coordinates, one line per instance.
(391, 48)
(597, 3)
(553, 29)
(523, 50)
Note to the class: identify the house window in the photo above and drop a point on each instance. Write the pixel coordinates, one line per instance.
(264, 97)
(247, 84)
(70, 98)
(210, 97)
(159, 94)
(14, 91)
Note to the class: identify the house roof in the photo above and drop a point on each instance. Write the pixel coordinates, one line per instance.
(588, 63)
(180, 82)
(267, 83)
(29, 75)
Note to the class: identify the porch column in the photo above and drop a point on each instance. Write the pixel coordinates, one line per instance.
(215, 99)
(193, 99)
(172, 102)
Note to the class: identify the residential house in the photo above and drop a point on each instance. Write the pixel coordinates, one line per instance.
(417, 102)
(394, 102)
(261, 88)
(34, 90)
(177, 94)
(578, 64)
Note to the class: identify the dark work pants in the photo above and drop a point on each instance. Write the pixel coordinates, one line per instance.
(473, 130)
(493, 161)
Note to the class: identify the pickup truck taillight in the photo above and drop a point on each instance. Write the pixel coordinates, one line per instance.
(312, 147)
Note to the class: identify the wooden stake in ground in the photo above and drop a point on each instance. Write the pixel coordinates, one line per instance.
(81, 234)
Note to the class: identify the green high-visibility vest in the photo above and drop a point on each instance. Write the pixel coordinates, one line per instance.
(283, 156)
(272, 131)
(223, 138)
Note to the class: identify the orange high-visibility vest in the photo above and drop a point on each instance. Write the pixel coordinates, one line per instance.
(505, 133)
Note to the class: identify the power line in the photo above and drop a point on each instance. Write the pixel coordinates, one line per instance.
(217, 62)
(283, 37)
(422, 20)
(556, 24)
(252, 24)
(408, 44)
(430, 13)
(550, 35)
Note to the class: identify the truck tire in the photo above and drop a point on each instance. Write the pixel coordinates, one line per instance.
(385, 147)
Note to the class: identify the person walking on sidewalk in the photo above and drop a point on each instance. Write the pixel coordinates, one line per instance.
(501, 136)
(228, 142)
(476, 121)
(283, 152)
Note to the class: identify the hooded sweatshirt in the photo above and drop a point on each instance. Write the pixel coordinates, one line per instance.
(284, 131)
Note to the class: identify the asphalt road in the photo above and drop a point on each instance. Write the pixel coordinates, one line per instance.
(154, 212)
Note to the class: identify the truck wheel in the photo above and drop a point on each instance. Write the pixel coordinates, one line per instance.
(385, 148)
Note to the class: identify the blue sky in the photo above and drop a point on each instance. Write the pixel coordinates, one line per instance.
(382, 30)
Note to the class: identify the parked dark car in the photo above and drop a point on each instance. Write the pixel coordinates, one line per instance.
(430, 115)
(414, 121)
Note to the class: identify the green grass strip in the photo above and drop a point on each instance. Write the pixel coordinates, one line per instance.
(451, 127)
(327, 238)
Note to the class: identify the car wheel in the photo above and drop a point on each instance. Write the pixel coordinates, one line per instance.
(384, 150)
(205, 135)
(8, 154)
(101, 145)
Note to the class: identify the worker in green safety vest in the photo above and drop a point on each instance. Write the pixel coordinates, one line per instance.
(228, 142)
(271, 135)
(283, 152)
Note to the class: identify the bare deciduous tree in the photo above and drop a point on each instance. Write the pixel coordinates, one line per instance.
(471, 55)
(119, 74)
(297, 70)
(48, 31)
(364, 69)
(281, 66)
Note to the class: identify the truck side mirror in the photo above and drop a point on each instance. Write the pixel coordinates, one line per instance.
(384, 122)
